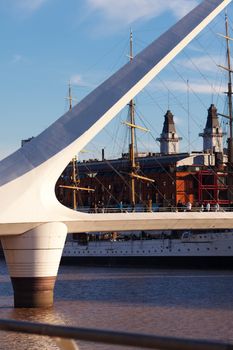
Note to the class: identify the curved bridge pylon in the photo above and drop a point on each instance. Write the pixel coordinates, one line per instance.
(33, 224)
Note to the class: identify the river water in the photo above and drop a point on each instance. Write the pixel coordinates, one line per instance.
(180, 303)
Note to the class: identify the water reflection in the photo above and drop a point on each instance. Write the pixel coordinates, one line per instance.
(164, 302)
(154, 287)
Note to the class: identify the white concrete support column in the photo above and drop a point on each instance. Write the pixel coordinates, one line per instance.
(33, 261)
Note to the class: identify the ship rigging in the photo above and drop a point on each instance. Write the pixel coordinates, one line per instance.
(164, 179)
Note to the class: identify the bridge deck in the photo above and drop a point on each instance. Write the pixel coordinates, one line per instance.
(79, 222)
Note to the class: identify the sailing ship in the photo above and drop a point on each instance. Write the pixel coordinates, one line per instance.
(197, 249)
(211, 171)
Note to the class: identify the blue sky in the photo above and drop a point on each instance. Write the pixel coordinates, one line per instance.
(46, 43)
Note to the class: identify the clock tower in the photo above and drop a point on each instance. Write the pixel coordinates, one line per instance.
(212, 134)
(169, 140)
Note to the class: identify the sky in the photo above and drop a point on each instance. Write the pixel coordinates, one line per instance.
(47, 43)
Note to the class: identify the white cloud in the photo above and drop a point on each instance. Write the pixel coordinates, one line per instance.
(77, 79)
(28, 6)
(205, 63)
(134, 10)
(31, 5)
(181, 7)
(195, 86)
(17, 58)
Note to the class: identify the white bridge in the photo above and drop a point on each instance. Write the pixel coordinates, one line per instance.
(33, 224)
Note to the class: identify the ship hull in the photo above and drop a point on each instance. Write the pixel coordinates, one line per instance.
(208, 250)
(181, 262)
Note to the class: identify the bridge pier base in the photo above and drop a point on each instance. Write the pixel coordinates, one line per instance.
(33, 260)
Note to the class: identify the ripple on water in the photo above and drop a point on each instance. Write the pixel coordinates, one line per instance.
(193, 304)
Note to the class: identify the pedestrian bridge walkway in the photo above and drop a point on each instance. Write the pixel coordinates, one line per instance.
(108, 221)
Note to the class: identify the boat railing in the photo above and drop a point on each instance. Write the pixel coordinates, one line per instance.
(140, 209)
(65, 337)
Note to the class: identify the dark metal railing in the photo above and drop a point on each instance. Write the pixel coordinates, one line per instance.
(112, 337)
(139, 209)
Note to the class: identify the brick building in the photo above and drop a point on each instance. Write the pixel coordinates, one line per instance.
(198, 177)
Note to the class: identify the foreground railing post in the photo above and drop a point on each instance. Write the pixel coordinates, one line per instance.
(33, 260)
(112, 337)
(66, 344)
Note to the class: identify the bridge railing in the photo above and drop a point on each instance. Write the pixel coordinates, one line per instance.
(68, 334)
(141, 209)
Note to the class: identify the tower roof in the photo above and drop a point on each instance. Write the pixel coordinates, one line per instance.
(212, 119)
(168, 125)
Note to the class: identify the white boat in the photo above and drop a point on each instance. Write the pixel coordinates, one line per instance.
(184, 249)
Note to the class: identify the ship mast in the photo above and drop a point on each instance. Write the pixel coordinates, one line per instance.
(229, 95)
(132, 135)
(229, 116)
(69, 98)
(74, 159)
(134, 167)
(75, 182)
(74, 177)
